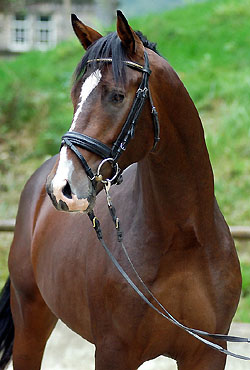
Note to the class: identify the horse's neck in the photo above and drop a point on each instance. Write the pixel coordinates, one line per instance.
(176, 183)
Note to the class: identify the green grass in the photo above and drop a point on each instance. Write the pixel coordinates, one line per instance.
(35, 94)
(207, 44)
(4, 248)
(243, 312)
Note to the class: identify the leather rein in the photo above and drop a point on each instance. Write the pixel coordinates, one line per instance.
(75, 139)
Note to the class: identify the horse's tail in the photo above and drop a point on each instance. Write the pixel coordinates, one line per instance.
(6, 326)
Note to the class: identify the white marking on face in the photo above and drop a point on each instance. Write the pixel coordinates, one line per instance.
(76, 204)
(87, 87)
(63, 173)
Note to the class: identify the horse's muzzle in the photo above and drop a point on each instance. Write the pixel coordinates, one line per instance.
(64, 199)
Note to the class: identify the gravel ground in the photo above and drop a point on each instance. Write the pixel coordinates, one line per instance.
(67, 351)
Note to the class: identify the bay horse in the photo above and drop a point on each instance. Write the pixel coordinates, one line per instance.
(173, 229)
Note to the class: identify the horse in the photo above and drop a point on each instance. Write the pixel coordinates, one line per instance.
(175, 235)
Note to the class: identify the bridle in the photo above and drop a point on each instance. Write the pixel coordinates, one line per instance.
(75, 139)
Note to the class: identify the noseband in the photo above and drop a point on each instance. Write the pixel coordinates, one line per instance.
(75, 139)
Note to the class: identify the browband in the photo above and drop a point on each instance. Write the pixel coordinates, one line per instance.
(129, 63)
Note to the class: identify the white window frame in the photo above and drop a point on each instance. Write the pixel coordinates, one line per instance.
(23, 28)
(46, 27)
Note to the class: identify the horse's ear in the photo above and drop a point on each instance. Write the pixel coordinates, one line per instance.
(128, 37)
(85, 34)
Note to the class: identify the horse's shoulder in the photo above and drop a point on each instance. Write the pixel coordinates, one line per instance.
(129, 174)
(128, 181)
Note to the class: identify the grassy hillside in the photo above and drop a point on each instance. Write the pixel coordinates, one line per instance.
(35, 94)
(208, 45)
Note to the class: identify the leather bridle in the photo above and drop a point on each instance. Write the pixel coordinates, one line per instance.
(75, 139)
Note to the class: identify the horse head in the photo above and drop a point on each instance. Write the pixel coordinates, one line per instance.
(108, 95)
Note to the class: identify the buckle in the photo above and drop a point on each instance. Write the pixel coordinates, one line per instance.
(142, 92)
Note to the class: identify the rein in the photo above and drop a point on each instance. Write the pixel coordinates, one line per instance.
(161, 310)
(75, 139)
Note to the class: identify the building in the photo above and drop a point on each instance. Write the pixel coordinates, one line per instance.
(41, 24)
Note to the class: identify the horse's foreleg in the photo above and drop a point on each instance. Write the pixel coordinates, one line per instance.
(33, 323)
(113, 355)
(208, 359)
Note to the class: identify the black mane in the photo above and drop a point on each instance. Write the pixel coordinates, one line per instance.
(110, 46)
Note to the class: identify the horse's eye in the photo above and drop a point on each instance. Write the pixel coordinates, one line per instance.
(116, 97)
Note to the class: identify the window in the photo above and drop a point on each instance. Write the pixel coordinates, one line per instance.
(20, 32)
(44, 31)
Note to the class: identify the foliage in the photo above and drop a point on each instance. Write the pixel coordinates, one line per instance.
(3, 262)
(243, 312)
(208, 45)
(245, 270)
(35, 91)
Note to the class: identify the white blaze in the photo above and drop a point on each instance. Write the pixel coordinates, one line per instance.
(87, 87)
(63, 173)
(65, 166)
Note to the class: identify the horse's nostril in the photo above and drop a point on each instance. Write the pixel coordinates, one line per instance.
(67, 191)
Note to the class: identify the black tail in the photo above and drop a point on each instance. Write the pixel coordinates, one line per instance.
(6, 326)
